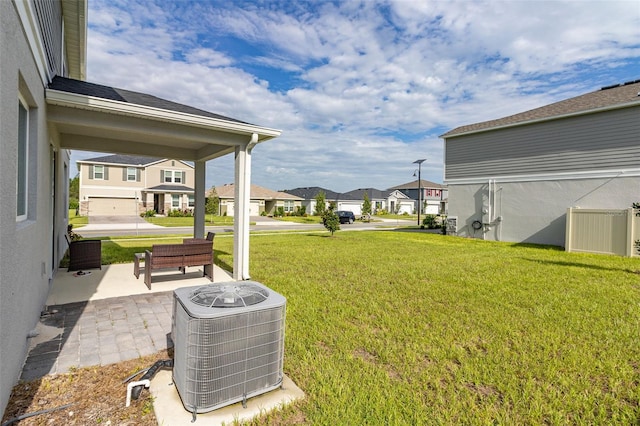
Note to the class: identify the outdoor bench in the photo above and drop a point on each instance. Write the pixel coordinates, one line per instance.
(196, 252)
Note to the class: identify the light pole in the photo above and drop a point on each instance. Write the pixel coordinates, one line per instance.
(419, 163)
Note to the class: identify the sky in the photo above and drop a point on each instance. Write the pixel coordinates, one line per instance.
(359, 89)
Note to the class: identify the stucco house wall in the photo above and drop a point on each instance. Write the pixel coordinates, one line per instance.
(30, 249)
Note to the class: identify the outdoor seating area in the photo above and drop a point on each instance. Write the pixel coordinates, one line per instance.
(117, 280)
(192, 252)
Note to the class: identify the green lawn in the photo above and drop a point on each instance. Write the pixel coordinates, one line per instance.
(77, 221)
(300, 219)
(188, 221)
(409, 328)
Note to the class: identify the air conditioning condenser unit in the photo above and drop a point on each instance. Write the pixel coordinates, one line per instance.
(228, 343)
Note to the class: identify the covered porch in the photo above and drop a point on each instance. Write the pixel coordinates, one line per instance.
(91, 117)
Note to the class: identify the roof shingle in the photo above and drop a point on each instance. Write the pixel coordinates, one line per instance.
(611, 96)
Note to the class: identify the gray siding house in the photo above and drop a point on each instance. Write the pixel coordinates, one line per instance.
(434, 195)
(512, 179)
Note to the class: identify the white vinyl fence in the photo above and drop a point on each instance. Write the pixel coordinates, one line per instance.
(602, 231)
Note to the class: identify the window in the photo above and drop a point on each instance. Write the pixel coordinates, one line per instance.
(23, 157)
(175, 201)
(98, 172)
(288, 206)
(173, 176)
(131, 174)
(192, 201)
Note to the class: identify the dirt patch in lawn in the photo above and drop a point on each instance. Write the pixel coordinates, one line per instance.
(97, 395)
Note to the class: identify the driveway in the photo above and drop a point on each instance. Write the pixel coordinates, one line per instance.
(111, 220)
(108, 223)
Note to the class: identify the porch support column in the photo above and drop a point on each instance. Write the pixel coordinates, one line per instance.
(199, 190)
(242, 199)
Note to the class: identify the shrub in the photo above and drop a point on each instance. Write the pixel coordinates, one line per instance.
(148, 213)
(429, 221)
(330, 220)
(180, 213)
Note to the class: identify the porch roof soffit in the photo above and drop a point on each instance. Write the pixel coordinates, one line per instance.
(92, 123)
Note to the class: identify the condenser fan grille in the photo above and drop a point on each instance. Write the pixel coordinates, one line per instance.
(229, 296)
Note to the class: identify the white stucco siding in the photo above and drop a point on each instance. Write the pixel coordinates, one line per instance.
(27, 255)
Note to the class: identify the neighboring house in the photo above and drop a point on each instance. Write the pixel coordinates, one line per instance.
(130, 185)
(434, 196)
(513, 178)
(308, 196)
(344, 201)
(400, 203)
(378, 199)
(48, 109)
(353, 200)
(263, 201)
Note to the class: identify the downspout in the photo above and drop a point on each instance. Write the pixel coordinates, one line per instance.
(252, 143)
(242, 205)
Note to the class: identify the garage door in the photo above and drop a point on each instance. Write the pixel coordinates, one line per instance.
(254, 209)
(112, 206)
(356, 208)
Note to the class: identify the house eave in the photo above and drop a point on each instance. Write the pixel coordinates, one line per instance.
(91, 103)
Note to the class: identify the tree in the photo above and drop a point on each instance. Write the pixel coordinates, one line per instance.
(74, 192)
(366, 205)
(320, 204)
(330, 220)
(212, 205)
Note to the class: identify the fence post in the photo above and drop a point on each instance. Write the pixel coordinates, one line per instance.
(567, 233)
(630, 232)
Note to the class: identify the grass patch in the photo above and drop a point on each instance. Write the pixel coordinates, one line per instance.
(444, 330)
(300, 219)
(188, 221)
(77, 221)
(403, 328)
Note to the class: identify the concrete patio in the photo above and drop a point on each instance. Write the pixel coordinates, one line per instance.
(105, 316)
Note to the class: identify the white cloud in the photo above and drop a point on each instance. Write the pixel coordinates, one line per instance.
(372, 84)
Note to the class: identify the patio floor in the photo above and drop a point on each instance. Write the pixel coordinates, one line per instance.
(118, 280)
(107, 316)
